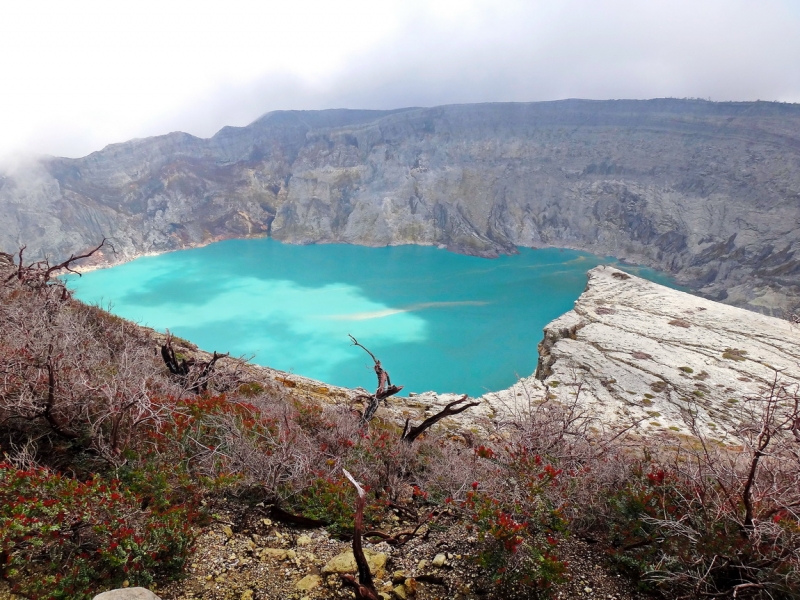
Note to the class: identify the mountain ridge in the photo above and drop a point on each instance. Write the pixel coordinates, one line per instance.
(705, 191)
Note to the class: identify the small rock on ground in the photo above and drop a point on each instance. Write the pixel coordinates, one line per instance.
(136, 593)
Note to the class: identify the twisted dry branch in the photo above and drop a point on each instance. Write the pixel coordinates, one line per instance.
(410, 434)
(364, 588)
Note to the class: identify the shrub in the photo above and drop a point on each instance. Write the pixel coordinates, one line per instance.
(329, 500)
(74, 372)
(61, 538)
(712, 520)
(518, 544)
(675, 535)
(520, 558)
(734, 354)
(680, 323)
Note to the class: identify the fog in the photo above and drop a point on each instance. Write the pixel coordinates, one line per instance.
(79, 75)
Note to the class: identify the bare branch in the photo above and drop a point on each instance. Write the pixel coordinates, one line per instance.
(399, 538)
(37, 275)
(67, 264)
(364, 588)
(385, 387)
(194, 375)
(355, 343)
(409, 435)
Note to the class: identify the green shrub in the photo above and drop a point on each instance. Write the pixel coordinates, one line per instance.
(331, 500)
(667, 531)
(519, 532)
(734, 354)
(62, 538)
(658, 386)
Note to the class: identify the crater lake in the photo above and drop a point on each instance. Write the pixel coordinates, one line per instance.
(436, 320)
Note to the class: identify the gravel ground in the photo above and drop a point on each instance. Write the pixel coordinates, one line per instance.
(255, 558)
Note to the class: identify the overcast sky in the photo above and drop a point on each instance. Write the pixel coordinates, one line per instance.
(79, 74)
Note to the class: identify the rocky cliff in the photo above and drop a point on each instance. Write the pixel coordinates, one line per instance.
(706, 191)
(635, 352)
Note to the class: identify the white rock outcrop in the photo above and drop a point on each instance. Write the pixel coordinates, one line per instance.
(639, 352)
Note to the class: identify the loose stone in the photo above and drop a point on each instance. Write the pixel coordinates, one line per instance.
(309, 582)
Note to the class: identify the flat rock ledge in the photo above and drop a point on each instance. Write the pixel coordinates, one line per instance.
(636, 352)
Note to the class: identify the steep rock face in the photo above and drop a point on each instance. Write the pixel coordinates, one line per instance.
(636, 352)
(707, 191)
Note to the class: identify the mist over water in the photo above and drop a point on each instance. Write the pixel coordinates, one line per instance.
(437, 320)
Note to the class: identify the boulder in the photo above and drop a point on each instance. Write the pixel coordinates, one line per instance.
(135, 593)
(309, 582)
(346, 562)
(273, 554)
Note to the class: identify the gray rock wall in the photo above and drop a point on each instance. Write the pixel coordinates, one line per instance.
(709, 192)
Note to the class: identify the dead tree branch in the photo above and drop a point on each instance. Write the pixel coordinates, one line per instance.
(409, 435)
(364, 588)
(399, 538)
(194, 375)
(385, 387)
(37, 274)
(67, 264)
(176, 366)
(283, 516)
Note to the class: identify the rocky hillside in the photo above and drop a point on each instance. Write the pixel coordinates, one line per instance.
(644, 455)
(706, 191)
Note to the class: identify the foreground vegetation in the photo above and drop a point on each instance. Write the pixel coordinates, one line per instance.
(117, 447)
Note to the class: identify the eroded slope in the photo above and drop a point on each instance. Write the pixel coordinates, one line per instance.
(706, 191)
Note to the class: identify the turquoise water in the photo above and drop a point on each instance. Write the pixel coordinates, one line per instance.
(437, 320)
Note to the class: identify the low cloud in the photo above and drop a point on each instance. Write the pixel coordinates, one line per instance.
(452, 53)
